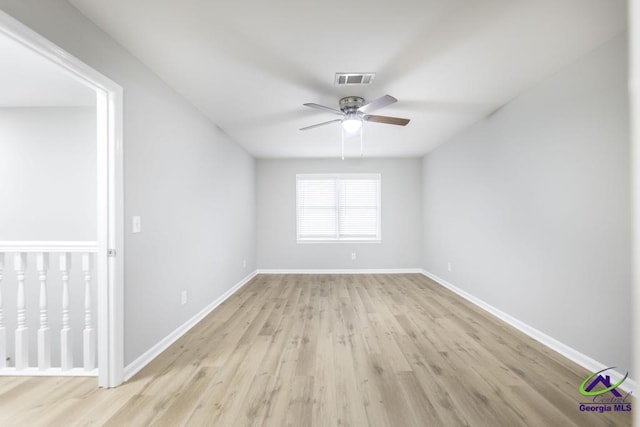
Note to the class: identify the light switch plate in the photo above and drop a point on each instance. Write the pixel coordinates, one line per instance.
(136, 225)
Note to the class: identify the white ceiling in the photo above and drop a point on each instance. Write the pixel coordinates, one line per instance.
(29, 80)
(250, 65)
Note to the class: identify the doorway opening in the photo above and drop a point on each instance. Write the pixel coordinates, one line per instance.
(61, 238)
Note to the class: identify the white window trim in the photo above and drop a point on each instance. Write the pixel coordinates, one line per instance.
(338, 240)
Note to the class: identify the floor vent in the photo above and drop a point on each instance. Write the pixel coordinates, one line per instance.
(354, 78)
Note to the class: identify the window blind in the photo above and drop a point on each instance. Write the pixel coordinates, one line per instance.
(338, 207)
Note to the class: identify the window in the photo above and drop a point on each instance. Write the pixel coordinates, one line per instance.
(338, 207)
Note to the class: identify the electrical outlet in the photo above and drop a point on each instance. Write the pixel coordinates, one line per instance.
(449, 266)
(183, 297)
(244, 263)
(353, 255)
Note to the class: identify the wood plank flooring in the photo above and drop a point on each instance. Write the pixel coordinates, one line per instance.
(329, 350)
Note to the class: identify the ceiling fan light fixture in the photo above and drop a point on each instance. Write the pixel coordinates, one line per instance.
(351, 124)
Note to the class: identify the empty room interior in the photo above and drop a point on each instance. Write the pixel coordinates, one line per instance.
(318, 213)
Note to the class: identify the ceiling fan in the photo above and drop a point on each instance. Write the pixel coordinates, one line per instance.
(354, 111)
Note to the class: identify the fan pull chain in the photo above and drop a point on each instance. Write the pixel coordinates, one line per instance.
(361, 131)
(342, 143)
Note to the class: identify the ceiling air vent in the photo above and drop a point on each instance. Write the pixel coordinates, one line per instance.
(354, 78)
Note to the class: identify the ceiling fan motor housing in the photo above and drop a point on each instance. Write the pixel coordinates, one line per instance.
(349, 104)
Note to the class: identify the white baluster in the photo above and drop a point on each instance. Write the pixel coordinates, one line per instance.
(44, 334)
(66, 352)
(89, 335)
(3, 331)
(22, 332)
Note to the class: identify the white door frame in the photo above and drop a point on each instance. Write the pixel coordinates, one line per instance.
(109, 265)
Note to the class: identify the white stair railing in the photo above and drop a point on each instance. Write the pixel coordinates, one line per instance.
(44, 337)
(22, 332)
(3, 331)
(66, 351)
(43, 252)
(89, 335)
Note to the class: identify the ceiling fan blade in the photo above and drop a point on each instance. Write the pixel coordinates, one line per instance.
(322, 107)
(386, 119)
(321, 124)
(383, 101)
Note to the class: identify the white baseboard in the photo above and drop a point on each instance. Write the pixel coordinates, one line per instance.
(144, 359)
(51, 372)
(343, 271)
(570, 353)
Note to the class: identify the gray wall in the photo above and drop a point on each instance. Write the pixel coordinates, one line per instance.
(401, 195)
(48, 173)
(192, 185)
(531, 207)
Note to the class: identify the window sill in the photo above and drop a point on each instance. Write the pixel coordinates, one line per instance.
(313, 242)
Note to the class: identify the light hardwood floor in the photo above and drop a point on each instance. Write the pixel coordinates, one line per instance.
(329, 350)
